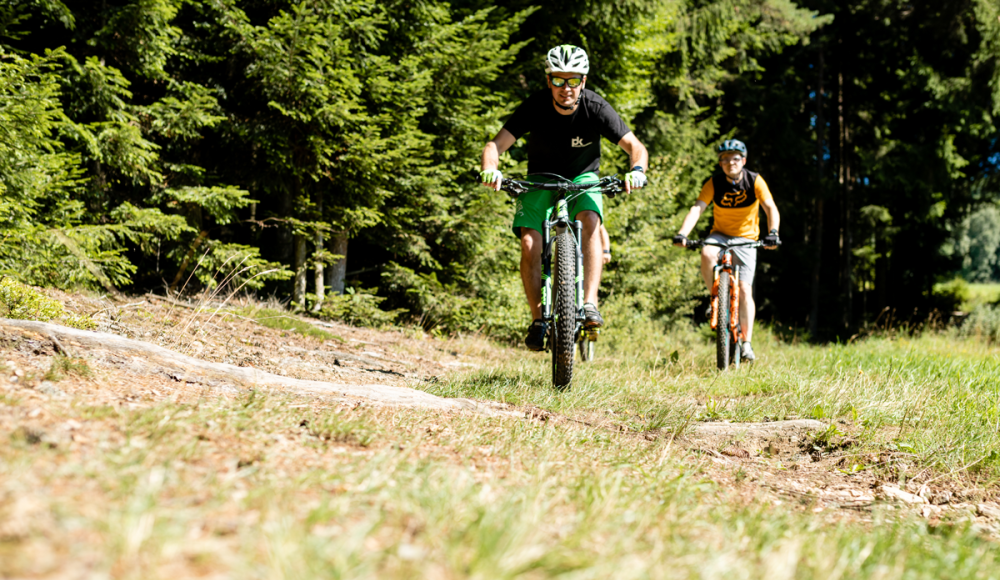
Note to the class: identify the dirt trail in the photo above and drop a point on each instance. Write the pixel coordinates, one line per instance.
(140, 358)
(153, 349)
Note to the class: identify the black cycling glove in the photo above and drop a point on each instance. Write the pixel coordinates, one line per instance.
(681, 239)
(771, 240)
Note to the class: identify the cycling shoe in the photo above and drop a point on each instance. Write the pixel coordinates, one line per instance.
(536, 335)
(591, 317)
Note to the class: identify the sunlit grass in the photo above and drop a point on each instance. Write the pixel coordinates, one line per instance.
(281, 320)
(250, 487)
(936, 395)
(265, 485)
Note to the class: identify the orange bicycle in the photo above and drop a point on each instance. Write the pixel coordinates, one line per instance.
(725, 316)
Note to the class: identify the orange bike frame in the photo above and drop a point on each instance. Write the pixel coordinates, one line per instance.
(734, 296)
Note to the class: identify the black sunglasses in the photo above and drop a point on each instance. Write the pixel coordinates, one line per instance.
(573, 82)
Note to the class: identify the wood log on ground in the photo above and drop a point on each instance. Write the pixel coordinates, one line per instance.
(156, 360)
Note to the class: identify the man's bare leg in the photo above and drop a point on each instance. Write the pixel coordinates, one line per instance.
(593, 254)
(747, 309)
(531, 269)
(709, 257)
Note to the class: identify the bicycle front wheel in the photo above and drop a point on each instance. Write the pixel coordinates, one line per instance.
(564, 302)
(723, 333)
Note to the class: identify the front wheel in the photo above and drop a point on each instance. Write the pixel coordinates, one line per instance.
(723, 333)
(564, 302)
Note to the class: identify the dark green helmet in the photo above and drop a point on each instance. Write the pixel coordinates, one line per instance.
(732, 145)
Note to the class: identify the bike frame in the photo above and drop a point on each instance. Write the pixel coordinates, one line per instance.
(551, 228)
(559, 222)
(725, 263)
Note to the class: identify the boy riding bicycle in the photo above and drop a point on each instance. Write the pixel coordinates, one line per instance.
(566, 122)
(738, 194)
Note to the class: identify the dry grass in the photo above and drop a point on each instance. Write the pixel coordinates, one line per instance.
(103, 474)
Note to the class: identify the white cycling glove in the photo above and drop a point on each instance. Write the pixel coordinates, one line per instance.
(491, 177)
(635, 179)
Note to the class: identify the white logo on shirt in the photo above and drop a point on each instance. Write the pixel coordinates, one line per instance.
(578, 142)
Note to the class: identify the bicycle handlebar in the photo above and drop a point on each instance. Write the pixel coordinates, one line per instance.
(698, 244)
(609, 186)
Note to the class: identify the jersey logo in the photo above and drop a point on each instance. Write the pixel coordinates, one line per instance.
(578, 142)
(733, 199)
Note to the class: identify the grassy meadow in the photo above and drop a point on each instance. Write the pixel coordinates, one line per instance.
(266, 485)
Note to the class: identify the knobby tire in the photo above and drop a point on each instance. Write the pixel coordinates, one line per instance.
(723, 334)
(564, 301)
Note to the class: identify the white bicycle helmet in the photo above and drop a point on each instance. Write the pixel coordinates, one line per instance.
(567, 58)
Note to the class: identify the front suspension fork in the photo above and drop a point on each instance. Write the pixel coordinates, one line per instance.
(547, 270)
(578, 233)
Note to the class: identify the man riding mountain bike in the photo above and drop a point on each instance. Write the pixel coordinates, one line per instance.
(566, 122)
(738, 195)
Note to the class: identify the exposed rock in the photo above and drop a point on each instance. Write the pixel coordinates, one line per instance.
(894, 493)
(769, 428)
(988, 511)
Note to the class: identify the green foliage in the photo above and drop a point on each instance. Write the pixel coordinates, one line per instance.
(359, 308)
(236, 267)
(641, 227)
(22, 302)
(168, 137)
(220, 203)
(19, 301)
(977, 244)
(983, 324)
(950, 295)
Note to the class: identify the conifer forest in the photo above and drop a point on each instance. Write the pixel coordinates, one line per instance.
(326, 152)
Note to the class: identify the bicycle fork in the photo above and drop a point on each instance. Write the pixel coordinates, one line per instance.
(734, 296)
(547, 271)
(577, 230)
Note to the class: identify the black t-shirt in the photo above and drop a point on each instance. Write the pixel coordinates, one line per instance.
(566, 145)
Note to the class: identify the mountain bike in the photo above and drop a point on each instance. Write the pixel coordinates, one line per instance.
(562, 288)
(725, 313)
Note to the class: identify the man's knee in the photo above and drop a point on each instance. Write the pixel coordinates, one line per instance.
(590, 220)
(531, 243)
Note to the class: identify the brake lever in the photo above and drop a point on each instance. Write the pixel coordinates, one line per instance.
(513, 189)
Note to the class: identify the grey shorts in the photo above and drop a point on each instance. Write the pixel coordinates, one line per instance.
(746, 258)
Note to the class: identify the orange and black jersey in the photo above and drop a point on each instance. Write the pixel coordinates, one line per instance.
(737, 205)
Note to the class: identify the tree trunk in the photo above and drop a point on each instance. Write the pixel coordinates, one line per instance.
(881, 272)
(818, 232)
(338, 270)
(299, 297)
(285, 241)
(318, 278)
(846, 243)
(847, 291)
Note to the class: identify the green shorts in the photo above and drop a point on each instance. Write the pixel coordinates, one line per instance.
(535, 206)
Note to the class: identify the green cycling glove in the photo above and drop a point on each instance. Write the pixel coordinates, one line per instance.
(635, 179)
(490, 176)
